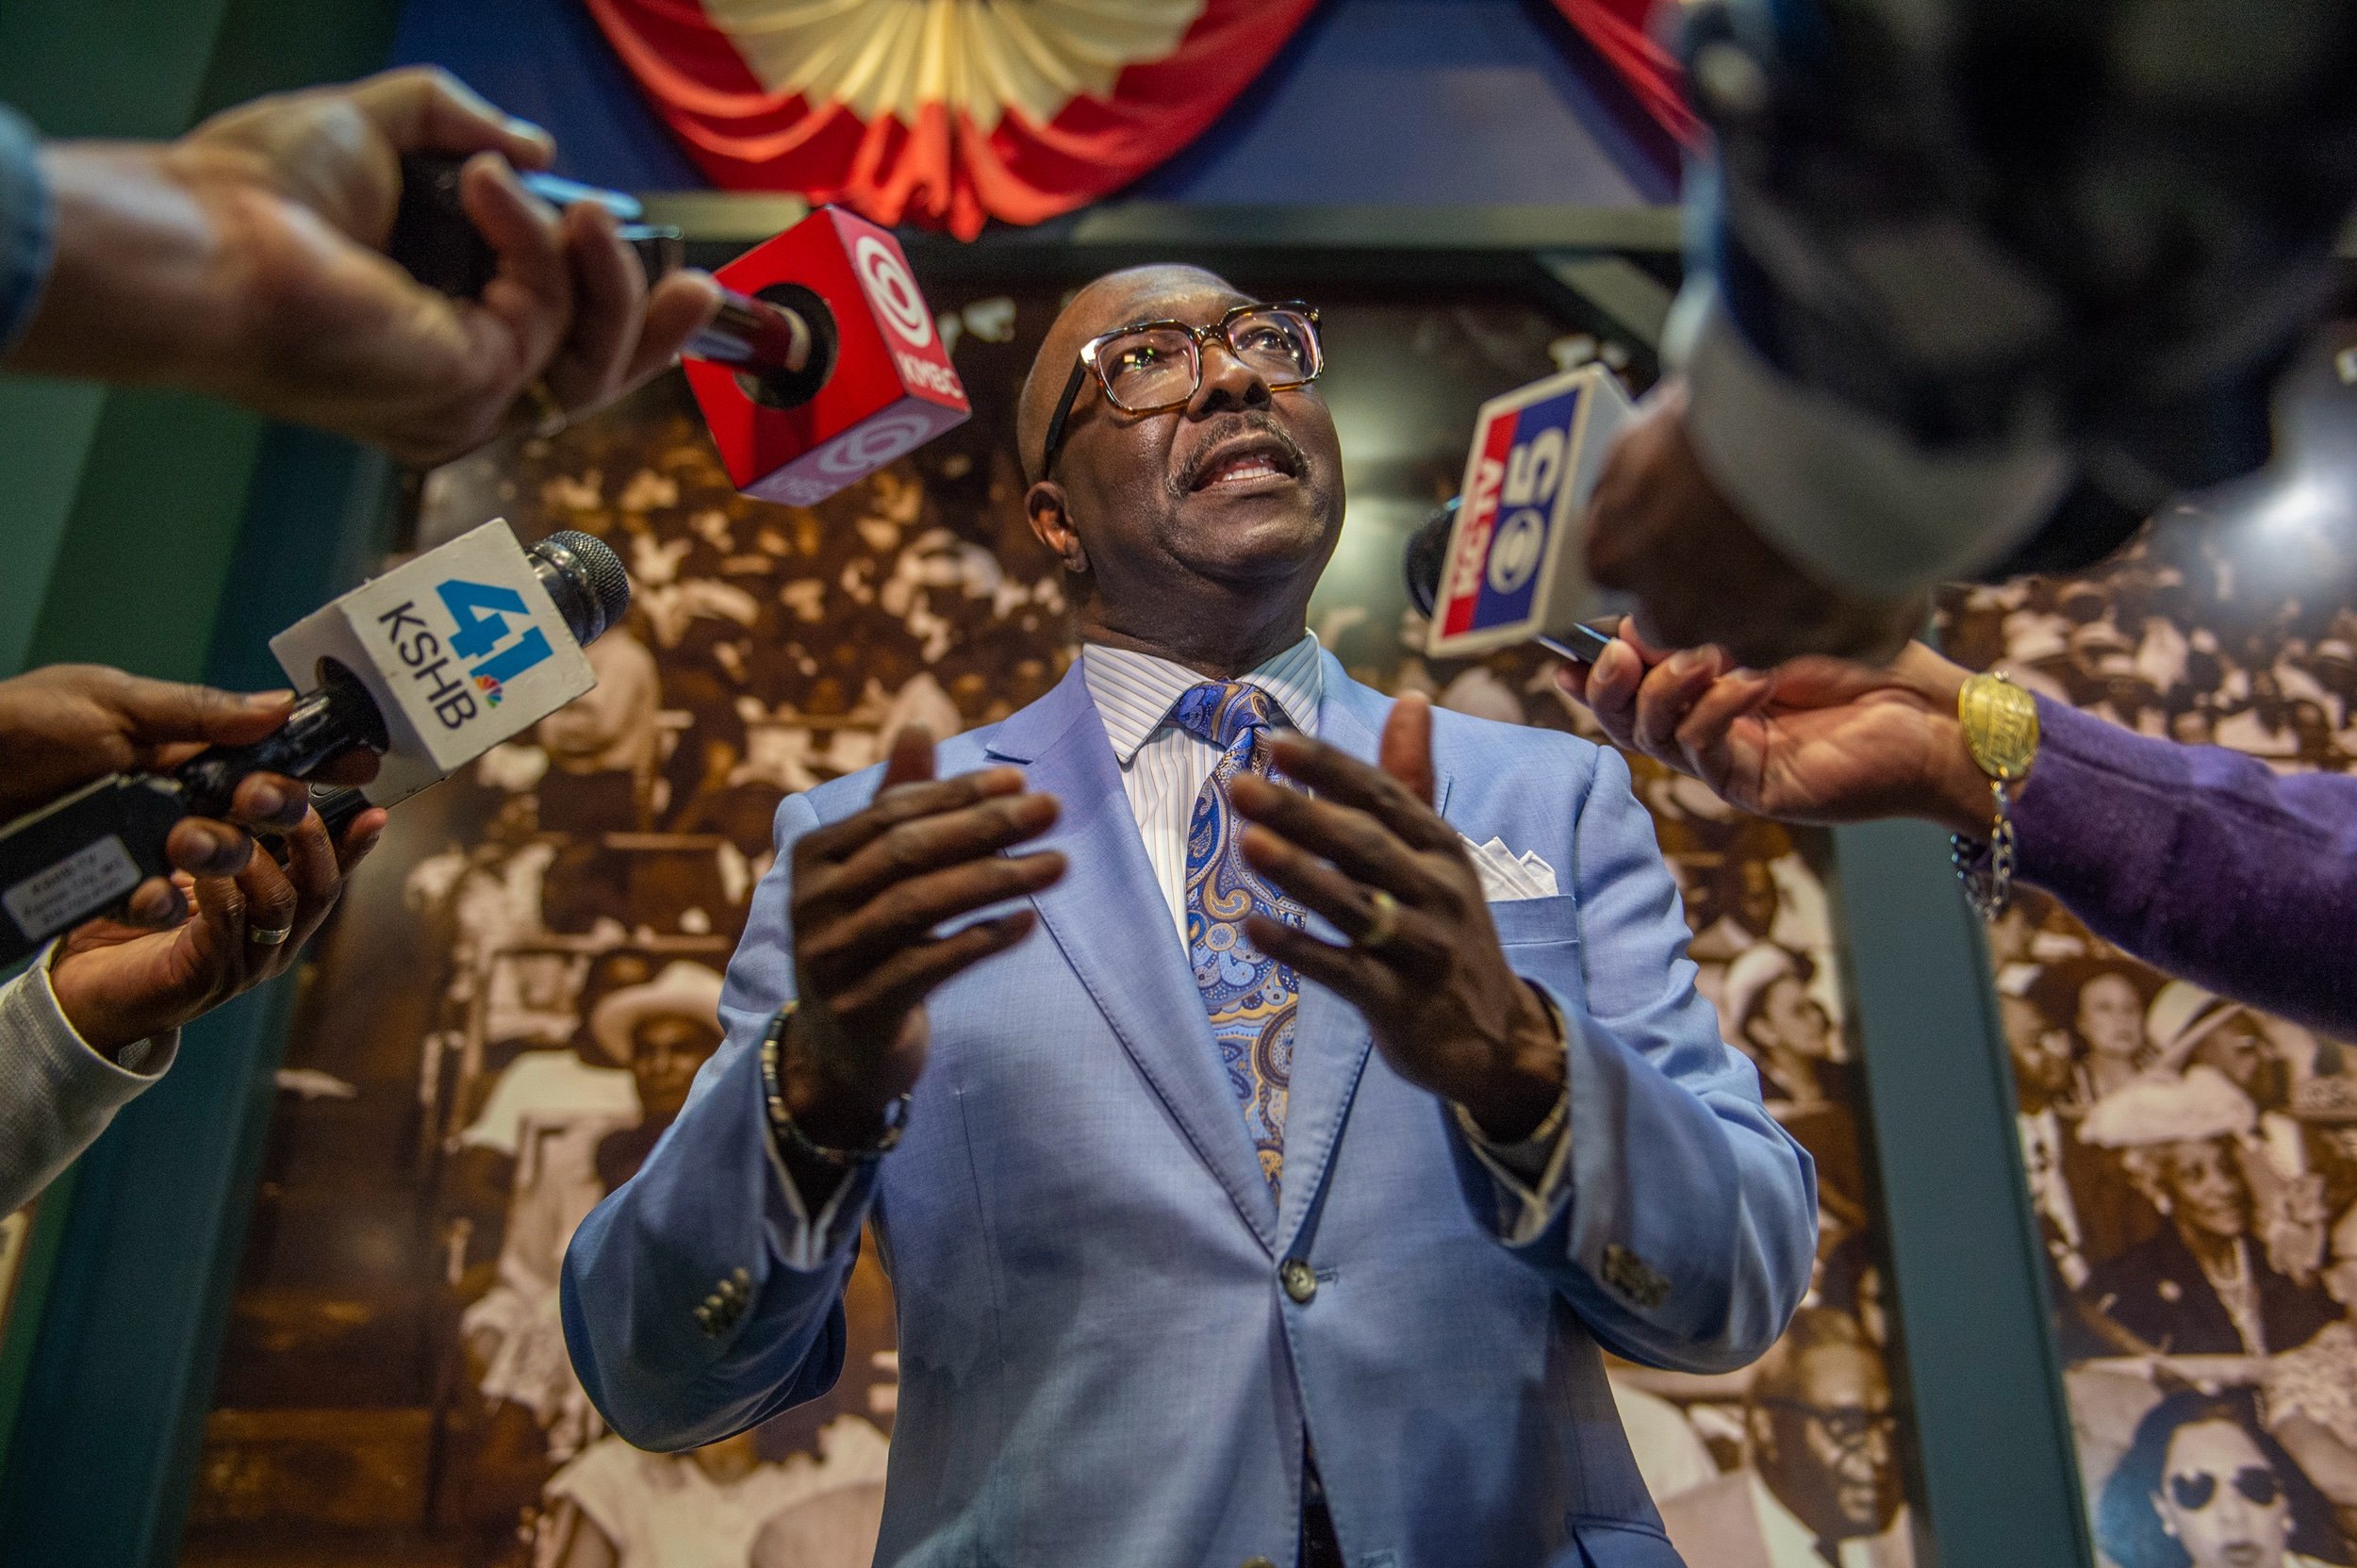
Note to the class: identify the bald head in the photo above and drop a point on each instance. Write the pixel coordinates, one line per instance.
(1133, 294)
(1196, 531)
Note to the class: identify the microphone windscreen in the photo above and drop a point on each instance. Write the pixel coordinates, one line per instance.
(585, 578)
(1425, 554)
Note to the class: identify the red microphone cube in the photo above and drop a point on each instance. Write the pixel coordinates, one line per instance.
(891, 388)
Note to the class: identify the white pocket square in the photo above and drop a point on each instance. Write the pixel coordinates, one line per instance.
(1506, 876)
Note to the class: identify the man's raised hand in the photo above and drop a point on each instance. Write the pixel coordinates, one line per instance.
(1448, 1011)
(869, 894)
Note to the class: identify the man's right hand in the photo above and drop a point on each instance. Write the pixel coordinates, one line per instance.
(868, 893)
(1813, 740)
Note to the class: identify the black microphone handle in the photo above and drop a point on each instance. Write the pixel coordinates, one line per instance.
(336, 718)
(435, 241)
(337, 807)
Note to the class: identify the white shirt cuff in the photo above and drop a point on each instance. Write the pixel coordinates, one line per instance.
(1848, 498)
(806, 1243)
(1531, 1174)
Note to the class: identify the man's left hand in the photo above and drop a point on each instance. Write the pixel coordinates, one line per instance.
(1448, 1012)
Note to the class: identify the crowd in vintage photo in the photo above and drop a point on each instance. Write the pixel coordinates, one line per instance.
(2192, 1162)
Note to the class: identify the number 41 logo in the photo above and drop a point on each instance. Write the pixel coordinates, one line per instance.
(481, 610)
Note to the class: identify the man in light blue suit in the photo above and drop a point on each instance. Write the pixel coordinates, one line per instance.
(1268, 1206)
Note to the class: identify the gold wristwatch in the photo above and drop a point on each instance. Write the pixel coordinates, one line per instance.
(2000, 722)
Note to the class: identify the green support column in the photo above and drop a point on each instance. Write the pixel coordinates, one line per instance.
(1999, 1475)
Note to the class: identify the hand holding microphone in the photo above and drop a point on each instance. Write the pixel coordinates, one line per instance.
(819, 365)
(246, 261)
(65, 725)
(121, 980)
(1660, 529)
(1815, 739)
(424, 667)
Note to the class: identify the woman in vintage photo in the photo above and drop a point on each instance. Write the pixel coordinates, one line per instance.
(2202, 1485)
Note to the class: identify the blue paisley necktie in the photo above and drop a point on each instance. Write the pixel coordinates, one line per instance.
(1249, 994)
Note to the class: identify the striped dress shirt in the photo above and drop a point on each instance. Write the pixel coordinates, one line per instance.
(1163, 766)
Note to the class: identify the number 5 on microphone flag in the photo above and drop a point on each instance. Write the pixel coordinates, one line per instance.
(1513, 570)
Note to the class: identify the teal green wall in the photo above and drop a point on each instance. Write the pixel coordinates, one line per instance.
(156, 531)
(124, 68)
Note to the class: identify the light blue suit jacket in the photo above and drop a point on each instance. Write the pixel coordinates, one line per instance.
(1098, 1366)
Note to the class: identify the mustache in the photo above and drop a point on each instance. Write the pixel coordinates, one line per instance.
(1226, 425)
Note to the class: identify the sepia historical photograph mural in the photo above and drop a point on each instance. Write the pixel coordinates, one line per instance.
(521, 985)
(2192, 1164)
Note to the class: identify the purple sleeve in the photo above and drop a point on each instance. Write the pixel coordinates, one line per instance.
(2200, 860)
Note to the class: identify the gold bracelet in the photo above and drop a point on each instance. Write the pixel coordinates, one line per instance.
(783, 1124)
(2000, 723)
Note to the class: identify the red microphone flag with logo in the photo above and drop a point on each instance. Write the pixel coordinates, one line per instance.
(887, 388)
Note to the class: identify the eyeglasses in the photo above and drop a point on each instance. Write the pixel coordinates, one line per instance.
(1849, 1426)
(2258, 1484)
(1150, 366)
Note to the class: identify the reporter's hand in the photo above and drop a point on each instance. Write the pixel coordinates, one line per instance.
(65, 725)
(1812, 740)
(244, 260)
(117, 982)
(1447, 1011)
(1657, 528)
(868, 893)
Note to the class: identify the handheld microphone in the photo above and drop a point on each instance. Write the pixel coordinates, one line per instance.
(821, 366)
(430, 665)
(1510, 571)
(1426, 555)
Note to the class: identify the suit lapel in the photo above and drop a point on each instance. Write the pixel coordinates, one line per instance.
(1108, 918)
(1330, 1037)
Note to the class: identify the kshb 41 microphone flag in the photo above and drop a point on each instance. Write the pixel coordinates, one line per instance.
(462, 648)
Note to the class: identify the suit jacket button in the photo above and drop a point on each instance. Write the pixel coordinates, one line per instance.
(1301, 1283)
(1258, 1562)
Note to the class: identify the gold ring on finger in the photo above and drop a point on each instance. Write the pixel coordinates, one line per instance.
(1382, 920)
(268, 936)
